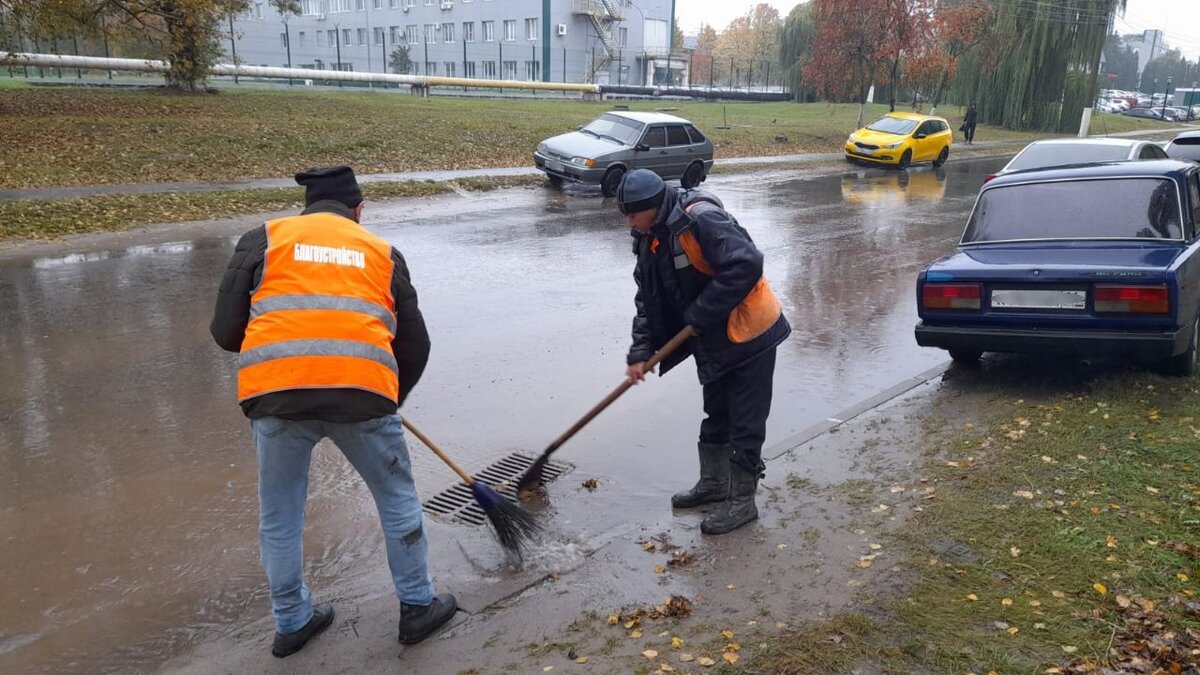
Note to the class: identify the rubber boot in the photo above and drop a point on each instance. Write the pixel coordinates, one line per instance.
(418, 623)
(713, 485)
(739, 509)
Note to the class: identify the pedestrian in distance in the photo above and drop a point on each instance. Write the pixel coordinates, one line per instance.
(969, 122)
(330, 341)
(696, 266)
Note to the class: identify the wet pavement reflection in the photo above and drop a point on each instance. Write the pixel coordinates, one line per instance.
(128, 505)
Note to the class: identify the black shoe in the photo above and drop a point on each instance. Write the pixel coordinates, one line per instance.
(713, 485)
(418, 623)
(290, 643)
(739, 509)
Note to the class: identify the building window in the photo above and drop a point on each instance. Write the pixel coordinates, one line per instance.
(379, 34)
(623, 37)
(531, 29)
(447, 32)
(410, 34)
(393, 4)
(393, 34)
(510, 70)
(336, 6)
(489, 31)
(258, 10)
(362, 36)
(361, 5)
(409, 3)
(449, 66)
(430, 68)
(320, 38)
(533, 70)
(489, 70)
(510, 30)
(378, 4)
(428, 3)
(310, 7)
(468, 31)
(430, 33)
(300, 38)
(469, 71)
(346, 37)
(332, 38)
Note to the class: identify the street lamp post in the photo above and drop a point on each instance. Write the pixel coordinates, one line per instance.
(1164, 105)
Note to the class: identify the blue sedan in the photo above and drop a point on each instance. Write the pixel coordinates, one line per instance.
(1086, 260)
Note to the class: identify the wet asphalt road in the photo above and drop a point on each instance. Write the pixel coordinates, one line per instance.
(127, 492)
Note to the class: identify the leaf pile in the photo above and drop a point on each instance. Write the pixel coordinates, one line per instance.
(1146, 642)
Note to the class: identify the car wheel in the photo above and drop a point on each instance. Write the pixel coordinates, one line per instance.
(612, 181)
(693, 175)
(555, 181)
(966, 357)
(1184, 365)
(942, 156)
(905, 159)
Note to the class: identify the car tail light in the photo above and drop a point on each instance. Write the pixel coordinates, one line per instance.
(950, 296)
(989, 177)
(1132, 299)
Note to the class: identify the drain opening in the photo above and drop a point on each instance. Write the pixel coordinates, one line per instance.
(457, 503)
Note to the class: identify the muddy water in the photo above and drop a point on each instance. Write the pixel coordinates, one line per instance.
(127, 489)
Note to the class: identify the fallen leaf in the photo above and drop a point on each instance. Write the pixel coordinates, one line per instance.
(727, 634)
(1014, 552)
(659, 569)
(1024, 494)
(730, 587)
(1039, 626)
(706, 662)
(730, 657)
(1110, 541)
(648, 545)
(666, 668)
(1070, 649)
(1100, 588)
(686, 658)
(1047, 459)
(972, 597)
(876, 547)
(650, 654)
(1035, 603)
(1058, 594)
(591, 484)
(863, 564)
(1182, 576)
(1014, 630)
(1122, 601)
(613, 619)
(1152, 490)
(1007, 602)
(635, 634)
(581, 660)
(676, 642)
(547, 669)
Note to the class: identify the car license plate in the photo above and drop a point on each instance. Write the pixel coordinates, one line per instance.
(866, 151)
(553, 165)
(1039, 299)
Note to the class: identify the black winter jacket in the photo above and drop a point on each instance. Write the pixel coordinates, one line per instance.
(670, 297)
(232, 315)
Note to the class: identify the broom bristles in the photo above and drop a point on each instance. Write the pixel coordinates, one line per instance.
(532, 479)
(515, 527)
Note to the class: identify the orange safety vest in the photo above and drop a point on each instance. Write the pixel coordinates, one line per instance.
(323, 316)
(755, 314)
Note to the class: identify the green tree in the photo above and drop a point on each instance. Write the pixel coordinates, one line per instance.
(795, 45)
(399, 61)
(1122, 61)
(1172, 64)
(186, 33)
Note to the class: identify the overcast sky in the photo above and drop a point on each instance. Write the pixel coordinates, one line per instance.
(1179, 18)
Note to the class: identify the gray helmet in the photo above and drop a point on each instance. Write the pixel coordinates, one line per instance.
(640, 190)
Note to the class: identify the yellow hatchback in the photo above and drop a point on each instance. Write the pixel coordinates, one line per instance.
(900, 139)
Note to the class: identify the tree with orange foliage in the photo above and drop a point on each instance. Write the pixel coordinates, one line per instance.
(848, 48)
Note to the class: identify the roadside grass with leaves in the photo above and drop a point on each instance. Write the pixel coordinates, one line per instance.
(48, 219)
(78, 136)
(1082, 515)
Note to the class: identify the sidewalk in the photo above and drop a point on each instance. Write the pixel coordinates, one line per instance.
(259, 183)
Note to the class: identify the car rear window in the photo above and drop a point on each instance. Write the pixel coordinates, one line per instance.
(1041, 155)
(697, 137)
(677, 136)
(1185, 148)
(1118, 208)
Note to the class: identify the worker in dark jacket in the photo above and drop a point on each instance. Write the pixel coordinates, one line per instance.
(330, 342)
(697, 267)
(969, 122)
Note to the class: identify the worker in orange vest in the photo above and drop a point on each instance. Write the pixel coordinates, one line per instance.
(330, 341)
(696, 266)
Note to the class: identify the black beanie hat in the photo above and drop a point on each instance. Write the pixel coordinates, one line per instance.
(330, 182)
(640, 190)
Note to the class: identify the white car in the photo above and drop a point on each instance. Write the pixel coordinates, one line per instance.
(1066, 151)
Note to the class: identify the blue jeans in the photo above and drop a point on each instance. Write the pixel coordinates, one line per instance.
(377, 451)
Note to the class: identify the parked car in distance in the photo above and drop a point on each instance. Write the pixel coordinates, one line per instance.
(1066, 151)
(1185, 146)
(899, 139)
(1085, 260)
(601, 151)
(1148, 113)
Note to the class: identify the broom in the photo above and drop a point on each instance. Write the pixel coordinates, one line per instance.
(533, 476)
(515, 528)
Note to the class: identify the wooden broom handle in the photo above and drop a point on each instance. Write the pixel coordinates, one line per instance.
(663, 352)
(466, 477)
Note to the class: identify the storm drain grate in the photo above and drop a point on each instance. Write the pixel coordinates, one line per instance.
(457, 502)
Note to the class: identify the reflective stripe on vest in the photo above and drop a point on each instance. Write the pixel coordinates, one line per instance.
(335, 302)
(322, 317)
(754, 315)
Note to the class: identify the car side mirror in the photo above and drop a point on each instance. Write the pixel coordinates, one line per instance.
(641, 147)
(918, 136)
